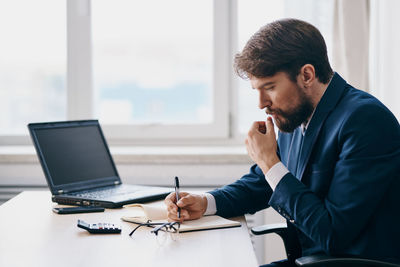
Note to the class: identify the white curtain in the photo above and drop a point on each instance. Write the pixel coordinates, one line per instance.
(351, 41)
(385, 53)
(363, 40)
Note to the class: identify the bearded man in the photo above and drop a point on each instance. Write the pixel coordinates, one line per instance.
(334, 170)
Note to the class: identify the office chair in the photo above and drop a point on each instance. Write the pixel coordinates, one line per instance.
(292, 246)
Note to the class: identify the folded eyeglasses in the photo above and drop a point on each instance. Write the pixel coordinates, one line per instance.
(161, 230)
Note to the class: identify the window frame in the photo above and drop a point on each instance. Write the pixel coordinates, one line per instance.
(80, 91)
(81, 99)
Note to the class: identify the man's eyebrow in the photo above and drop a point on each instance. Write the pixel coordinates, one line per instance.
(265, 84)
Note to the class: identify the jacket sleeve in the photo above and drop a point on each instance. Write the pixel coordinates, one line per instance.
(368, 164)
(249, 194)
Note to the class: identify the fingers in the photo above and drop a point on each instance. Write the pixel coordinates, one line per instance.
(187, 200)
(258, 127)
(173, 216)
(171, 198)
(172, 207)
(170, 201)
(270, 127)
(261, 127)
(192, 207)
(172, 213)
(269, 124)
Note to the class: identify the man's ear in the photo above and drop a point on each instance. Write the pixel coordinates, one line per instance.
(307, 75)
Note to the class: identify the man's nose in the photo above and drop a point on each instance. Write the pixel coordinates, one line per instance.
(264, 101)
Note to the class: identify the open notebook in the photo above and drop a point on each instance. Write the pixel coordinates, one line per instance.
(157, 212)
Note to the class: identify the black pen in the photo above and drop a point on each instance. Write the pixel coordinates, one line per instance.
(177, 195)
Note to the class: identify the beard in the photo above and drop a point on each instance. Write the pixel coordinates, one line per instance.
(287, 121)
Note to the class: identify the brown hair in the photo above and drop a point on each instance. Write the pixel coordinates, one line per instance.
(284, 45)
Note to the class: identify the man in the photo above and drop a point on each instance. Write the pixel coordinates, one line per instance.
(334, 171)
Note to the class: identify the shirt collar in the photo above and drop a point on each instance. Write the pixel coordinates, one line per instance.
(304, 125)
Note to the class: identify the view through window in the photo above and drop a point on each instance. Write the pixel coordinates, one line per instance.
(152, 61)
(32, 63)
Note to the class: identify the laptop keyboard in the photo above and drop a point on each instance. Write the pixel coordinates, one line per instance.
(105, 193)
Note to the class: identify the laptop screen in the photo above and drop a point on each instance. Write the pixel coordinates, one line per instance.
(75, 154)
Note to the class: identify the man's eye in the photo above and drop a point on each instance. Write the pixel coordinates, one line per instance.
(270, 88)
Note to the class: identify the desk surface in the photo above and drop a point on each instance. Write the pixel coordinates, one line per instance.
(32, 235)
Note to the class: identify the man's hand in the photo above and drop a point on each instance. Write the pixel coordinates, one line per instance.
(261, 146)
(192, 206)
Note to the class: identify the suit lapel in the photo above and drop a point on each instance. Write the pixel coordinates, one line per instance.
(309, 141)
(294, 151)
(326, 104)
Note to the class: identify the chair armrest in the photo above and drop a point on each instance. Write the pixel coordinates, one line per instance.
(322, 260)
(292, 246)
(269, 228)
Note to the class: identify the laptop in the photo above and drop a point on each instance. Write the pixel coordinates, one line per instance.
(79, 168)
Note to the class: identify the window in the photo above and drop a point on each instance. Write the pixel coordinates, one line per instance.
(148, 70)
(155, 65)
(32, 63)
(251, 16)
(149, 65)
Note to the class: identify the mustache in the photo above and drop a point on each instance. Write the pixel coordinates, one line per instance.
(270, 111)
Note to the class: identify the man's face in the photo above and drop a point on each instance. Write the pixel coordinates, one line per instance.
(285, 100)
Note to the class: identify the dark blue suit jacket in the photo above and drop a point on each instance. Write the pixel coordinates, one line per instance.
(343, 196)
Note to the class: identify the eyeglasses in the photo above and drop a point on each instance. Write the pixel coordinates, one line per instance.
(162, 230)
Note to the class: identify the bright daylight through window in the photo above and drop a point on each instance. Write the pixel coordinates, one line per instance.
(32, 63)
(145, 69)
(153, 65)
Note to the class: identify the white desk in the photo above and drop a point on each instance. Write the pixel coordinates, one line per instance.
(32, 235)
